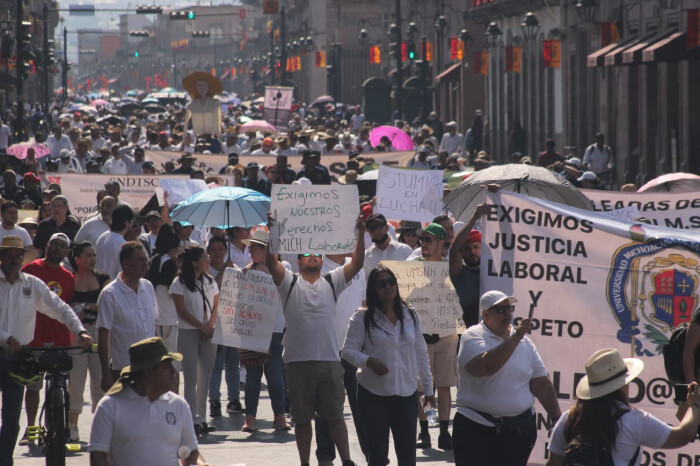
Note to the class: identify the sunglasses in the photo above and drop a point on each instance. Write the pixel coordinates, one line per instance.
(308, 255)
(503, 309)
(426, 239)
(385, 283)
(375, 226)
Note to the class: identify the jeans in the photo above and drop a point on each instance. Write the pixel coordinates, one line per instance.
(380, 414)
(12, 394)
(226, 358)
(197, 361)
(273, 376)
(479, 445)
(325, 448)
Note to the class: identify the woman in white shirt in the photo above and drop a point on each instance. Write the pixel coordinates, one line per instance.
(603, 420)
(196, 298)
(385, 342)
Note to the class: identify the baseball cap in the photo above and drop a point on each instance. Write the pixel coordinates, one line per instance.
(474, 236)
(61, 237)
(434, 229)
(267, 142)
(590, 176)
(148, 164)
(29, 176)
(493, 297)
(152, 213)
(253, 165)
(376, 218)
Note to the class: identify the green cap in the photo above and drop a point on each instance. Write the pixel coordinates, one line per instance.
(434, 229)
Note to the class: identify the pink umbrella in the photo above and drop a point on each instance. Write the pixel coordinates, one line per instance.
(19, 150)
(99, 103)
(672, 182)
(399, 139)
(258, 125)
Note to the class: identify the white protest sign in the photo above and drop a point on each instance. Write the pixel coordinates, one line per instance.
(315, 219)
(179, 190)
(248, 307)
(278, 106)
(426, 286)
(405, 194)
(81, 189)
(595, 283)
(672, 210)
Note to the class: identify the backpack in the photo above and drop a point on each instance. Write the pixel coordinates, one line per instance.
(589, 455)
(673, 355)
(326, 275)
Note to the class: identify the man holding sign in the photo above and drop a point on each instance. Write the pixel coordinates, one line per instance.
(311, 353)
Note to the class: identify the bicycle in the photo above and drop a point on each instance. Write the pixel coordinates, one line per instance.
(55, 362)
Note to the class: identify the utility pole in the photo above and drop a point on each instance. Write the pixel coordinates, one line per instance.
(399, 62)
(64, 68)
(45, 63)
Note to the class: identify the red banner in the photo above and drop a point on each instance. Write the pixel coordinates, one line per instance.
(320, 59)
(514, 58)
(481, 63)
(693, 34)
(456, 49)
(375, 55)
(608, 34)
(404, 51)
(427, 54)
(551, 53)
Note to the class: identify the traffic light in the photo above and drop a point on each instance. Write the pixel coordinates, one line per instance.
(136, 54)
(411, 51)
(24, 50)
(51, 53)
(182, 15)
(148, 10)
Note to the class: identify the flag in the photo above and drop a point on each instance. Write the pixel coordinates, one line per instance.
(693, 34)
(427, 54)
(514, 55)
(609, 34)
(456, 49)
(404, 51)
(233, 72)
(297, 63)
(276, 36)
(320, 59)
(551, 53)
(289, 64)
(375, 55)
(481, 63)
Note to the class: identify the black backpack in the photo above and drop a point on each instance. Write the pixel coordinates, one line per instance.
(582, 454)
(673, 355)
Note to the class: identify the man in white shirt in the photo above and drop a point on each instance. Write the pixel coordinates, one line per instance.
(23, 295)
(451, 140)
(127, 310)
(140, 421)
(8, 227)
(312, 365)
(108, 245)
(93, 228)
(421, 161)
(384, 247)
(267, 148)
(57, 142)
(238, 251)
(153, 222)
(598, 158)
(5, 135)
(118, 164)
(357, 119)
(96, 138)
(68, 163)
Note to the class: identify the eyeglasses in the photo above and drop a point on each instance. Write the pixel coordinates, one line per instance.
(426, 239)
(503, 309)
(385, 283)
(308, 255)
(375, 226)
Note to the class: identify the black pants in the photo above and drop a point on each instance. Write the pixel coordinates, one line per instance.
(478, 445)
(12, 394)
(325, 448)
(380, 414)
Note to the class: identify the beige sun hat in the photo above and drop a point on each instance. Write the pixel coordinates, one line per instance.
(259, 237)
(607, 372)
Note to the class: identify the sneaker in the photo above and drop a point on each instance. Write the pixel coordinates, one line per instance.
(215, 408)
(207, 428)
(24, 441)
(424, 441)
(74, 434)
(445, 441)
(250, 425)
(234, 407)
(280, 423)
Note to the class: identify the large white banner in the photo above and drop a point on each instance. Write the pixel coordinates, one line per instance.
(314, 219)
(673, 210)
(248, 307)
(595, 283)
(81, 189)
(405, 194)
(426, 286)
(278, 106)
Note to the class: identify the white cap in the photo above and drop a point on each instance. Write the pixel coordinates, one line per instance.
(60, 236)
(590, 176)
(493, 297)
(302, 180)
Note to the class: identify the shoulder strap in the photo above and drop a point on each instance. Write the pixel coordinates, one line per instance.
(633, 461)
(295, 277)
(329, 279)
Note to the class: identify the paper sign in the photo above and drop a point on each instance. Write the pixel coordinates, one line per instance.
(248, 307)
(405, 194)
(315, 219)
(427, 288)
(179, 190)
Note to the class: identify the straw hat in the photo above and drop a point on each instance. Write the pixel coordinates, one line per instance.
(349, 177)
(607, 372)
(190, 83)
(11, 242)
(259, 237)
(143, 355)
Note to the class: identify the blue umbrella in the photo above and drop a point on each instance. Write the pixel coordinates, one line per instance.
(224, 207)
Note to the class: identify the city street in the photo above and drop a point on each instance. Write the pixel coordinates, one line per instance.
(228, 446)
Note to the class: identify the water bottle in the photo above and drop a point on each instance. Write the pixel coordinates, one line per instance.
(431, 414)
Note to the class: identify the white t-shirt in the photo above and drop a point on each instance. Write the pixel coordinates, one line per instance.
(92, 230)
(486, 393)
(17, 231)
(395, 251)
(5, 133)
(635, 428)
(310, 317)
(135, 430)
(115, 167)
(194, 303)
(349, 300)
(108, 245)
(238, 257)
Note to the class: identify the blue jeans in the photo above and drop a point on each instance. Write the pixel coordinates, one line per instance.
(325, 448)
(274, 377)
(12, 395)
(226, 358)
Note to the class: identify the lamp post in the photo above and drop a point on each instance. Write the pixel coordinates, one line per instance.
(394, 33)
(530, 26)
(492, 40)
(587, 10)
(441, 26)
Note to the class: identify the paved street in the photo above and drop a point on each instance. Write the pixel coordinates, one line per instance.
(228, 446)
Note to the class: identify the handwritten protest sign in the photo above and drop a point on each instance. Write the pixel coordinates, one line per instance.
(179, 190)
(405, 194)
(248, 306)
(427, 288)
(316, 219)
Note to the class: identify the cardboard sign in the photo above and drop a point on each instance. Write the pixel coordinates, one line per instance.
(426, 286)
(405, 194)
(178, 189)
(248, 307)
(315, 219)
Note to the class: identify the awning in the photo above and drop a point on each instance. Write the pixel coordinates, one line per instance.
(596, 58)
(633, 55)
(614, 57)
(451, 74)
(670, 48)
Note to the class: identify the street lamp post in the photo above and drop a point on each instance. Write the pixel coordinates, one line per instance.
(492, 40)
(441, 26)
(586, 10)
(64, 68)
(531, 27)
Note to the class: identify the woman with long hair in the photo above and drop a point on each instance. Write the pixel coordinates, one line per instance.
(196, 298)
(602, 422)
(386, 338)
(87, 285)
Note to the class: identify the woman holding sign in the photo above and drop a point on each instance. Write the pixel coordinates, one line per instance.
(385, 342)
(196, 298)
